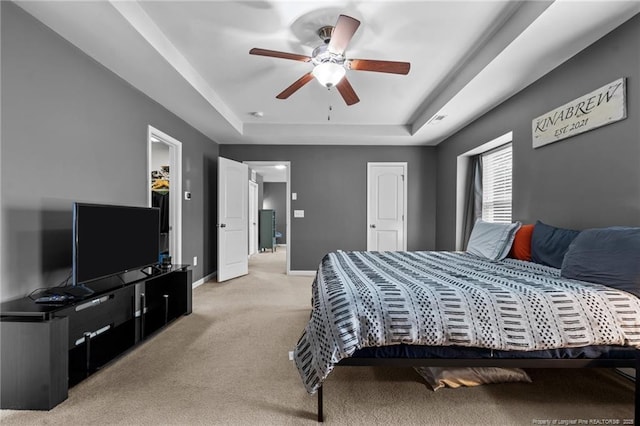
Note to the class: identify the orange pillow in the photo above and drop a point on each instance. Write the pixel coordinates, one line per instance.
(521, 247)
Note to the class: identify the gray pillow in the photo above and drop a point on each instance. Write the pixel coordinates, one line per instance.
(609, 256)
(549, 244)
(492, 240)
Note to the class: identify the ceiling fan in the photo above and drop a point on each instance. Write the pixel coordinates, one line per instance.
(330, 64)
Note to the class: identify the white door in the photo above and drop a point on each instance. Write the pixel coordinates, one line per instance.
(386, 206)
(253, 218)
(233, 222)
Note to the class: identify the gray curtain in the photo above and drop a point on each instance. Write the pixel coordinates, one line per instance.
(473, 198)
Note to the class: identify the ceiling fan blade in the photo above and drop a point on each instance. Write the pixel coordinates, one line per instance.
(342, 33)
(379, 66)
(295, 86)
(277, 54)
(347, 92)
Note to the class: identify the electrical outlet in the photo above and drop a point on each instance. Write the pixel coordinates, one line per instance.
(290, 355)
(195, 260)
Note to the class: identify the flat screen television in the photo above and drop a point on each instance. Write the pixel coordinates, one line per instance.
(110, 240)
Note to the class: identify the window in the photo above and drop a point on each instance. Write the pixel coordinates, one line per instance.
(496, 185)
(469, 186)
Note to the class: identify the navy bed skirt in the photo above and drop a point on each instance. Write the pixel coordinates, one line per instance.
(415, 351)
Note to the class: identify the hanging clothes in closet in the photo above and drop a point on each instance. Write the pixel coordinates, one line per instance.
(160, 199)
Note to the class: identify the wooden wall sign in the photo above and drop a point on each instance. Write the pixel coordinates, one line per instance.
(603, 106)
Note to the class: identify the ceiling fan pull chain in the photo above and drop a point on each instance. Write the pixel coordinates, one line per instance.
(330, 108)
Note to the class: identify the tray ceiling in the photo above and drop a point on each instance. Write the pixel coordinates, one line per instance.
(466, 58)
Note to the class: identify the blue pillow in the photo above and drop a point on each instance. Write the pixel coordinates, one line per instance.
(492, 240)
(549, 244)
(609, 256)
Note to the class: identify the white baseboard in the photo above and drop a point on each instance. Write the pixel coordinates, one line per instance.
(215, 274)
(204, 280)
(303, 273)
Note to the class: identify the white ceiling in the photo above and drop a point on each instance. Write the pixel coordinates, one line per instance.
(466, 57)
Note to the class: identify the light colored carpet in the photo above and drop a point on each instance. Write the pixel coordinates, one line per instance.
(227, 364)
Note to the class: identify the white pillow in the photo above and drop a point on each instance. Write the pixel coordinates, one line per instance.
(492, 240)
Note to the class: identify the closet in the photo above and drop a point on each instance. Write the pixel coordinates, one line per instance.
(160, 198)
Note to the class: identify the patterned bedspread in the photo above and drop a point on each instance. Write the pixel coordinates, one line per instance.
(363, 299)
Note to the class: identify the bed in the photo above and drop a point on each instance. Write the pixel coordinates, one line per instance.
(429, 308)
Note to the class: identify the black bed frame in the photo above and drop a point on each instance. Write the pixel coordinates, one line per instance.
(495, 362)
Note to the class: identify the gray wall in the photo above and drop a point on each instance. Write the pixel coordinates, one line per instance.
(275, 197)
(331, 183)
(74, 131)
(589, 180)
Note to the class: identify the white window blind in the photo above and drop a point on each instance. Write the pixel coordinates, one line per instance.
(496, 185)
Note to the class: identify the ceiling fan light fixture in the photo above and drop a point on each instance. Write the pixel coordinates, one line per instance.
(330, 63)
(328, 73)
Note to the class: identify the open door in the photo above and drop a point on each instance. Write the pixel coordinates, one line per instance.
(233, 222)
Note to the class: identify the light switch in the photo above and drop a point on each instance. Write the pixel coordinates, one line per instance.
(298, 213)
(294, 195)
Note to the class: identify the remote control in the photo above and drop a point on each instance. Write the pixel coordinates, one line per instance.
(55, 299)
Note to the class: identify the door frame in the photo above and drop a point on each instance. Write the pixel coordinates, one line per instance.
(175, 191)
(405, 168)
(288, 202)
(253, 231)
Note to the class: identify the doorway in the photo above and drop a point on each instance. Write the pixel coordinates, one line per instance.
(164, 183)
(273, 177)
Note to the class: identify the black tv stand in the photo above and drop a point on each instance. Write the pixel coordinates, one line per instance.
(78, 291)
(157, 268)
(47, 348)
